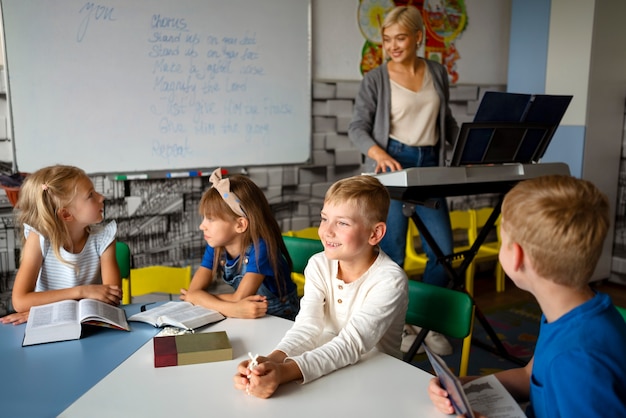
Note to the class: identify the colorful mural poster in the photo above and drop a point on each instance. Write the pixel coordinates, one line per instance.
(444, 22)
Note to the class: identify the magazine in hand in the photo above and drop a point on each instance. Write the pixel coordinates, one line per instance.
(61, 321)
(182, 315)
(485, 395)
(451, 384)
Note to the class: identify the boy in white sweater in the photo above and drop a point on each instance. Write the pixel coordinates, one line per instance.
(355, 296)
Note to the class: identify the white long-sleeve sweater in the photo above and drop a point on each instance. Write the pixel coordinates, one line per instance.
(340, 322)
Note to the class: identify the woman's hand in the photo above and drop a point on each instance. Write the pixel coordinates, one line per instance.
(384, 162)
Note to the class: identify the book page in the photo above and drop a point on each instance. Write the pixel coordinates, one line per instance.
(487, 396)
(191, 318)
(94, 312)
(179, 314)
(53, 314)
(52, 322)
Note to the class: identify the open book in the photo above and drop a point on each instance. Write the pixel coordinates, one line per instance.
(485, 395)
(178, 314)
(61, 321)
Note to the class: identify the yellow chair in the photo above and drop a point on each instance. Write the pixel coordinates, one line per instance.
(157, 279)
(488, 251)
(414, 262)
(300, 250)
(461, 223)
(447, 311)
(310, 233)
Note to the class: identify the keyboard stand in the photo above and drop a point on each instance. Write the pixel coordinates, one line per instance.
(458, 283)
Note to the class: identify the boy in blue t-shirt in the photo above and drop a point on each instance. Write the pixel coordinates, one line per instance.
(553, 229)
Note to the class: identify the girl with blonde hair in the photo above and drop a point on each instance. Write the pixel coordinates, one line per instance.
(65, 253)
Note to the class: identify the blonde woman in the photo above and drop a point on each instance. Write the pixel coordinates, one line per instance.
(401, 120)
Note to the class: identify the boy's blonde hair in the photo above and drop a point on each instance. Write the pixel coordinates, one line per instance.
(365, 193)
(42, 195)
(261, 223)
(561, 223)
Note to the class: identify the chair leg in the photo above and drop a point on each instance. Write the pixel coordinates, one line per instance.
(415, 346)
(469, 278)
(500, 278)
(126, 297)
(465, 352)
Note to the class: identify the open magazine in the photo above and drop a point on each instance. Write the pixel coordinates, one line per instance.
(485, 395)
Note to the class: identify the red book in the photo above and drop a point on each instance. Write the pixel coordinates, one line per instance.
(204, 347)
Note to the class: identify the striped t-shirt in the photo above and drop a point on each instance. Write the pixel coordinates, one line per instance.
(56, 275)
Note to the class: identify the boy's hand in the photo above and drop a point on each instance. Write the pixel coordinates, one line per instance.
(439, 397)
(15, 318)
(262, 381)
(244, 371)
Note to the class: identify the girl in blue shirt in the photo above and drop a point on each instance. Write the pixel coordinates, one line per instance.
(245, 248)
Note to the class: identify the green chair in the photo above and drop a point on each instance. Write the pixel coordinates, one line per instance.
(300, 250)
(622, 311)
(449, 312)
(122, 253)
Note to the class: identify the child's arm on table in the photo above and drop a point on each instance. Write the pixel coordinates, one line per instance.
(242, 303)
(25, 297)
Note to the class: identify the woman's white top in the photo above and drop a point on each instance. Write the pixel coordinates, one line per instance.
(414, 114)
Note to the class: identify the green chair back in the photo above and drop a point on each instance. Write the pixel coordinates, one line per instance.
(300, 250)
(122, 252)
(622, 311)
(449, 312)
(440, 309)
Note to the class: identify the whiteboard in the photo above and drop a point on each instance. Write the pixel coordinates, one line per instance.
(120, 86)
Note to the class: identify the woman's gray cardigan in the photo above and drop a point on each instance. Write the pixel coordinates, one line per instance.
(372, 109)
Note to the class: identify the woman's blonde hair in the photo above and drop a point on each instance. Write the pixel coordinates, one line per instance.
(261, 224)
(42, 195)
(561, 223)
(409, 17)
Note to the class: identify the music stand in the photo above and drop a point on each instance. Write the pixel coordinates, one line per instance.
(508, 129)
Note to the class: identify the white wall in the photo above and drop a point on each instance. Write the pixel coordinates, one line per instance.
(337, 41)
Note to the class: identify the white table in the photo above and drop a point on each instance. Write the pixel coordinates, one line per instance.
(379, 386)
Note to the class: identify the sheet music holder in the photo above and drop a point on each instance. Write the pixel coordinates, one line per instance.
(509, 128)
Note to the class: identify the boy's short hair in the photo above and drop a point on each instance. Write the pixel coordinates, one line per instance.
(560, 222)
(366, 193)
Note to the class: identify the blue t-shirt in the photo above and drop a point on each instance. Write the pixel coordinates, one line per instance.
(579, 367)
(261, 265)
